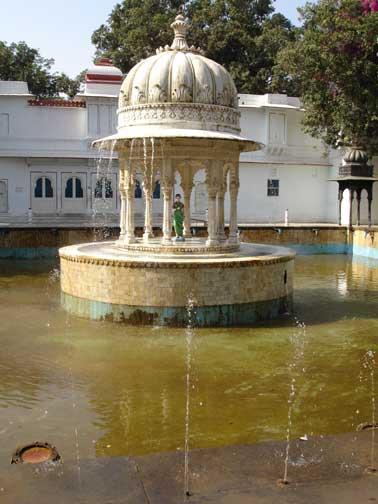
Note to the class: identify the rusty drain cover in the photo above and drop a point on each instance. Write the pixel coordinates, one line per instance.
(35, 453)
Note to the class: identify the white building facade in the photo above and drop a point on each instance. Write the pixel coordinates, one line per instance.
(50, 174)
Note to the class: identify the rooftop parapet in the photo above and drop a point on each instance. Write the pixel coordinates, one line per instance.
(14, 88)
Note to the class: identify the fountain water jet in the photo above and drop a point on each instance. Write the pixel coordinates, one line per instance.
(298, 342)
(369, 364)
(189, 339)
(189, 104)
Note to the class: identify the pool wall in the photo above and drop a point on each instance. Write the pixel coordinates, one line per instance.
(43, 243)
(252, 284)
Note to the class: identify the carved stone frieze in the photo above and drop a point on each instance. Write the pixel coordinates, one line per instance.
(203, 116)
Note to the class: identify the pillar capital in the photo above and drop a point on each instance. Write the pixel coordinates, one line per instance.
(213, 177)
(128, 235)
(212, 192)
(167, 174)
(166, 188)
(122, 159)
(187, 186)
(147, 180)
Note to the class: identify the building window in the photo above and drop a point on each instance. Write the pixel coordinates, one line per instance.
(38, 188)
(98, 189)
(108, 188)
(68, 192)
(79, 188)
(43, 188)
(71, 184)
(103, 188)
(49, 193)
(156, 193)
(138, 190)
(273, 187)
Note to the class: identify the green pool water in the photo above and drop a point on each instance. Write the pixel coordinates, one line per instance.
(100, 389)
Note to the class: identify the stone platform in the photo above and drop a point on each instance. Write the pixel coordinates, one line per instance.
(222, 287)
(322, 470)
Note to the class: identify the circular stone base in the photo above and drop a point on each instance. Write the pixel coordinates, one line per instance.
(104, 281)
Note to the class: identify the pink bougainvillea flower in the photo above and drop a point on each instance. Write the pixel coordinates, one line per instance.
(369, 6)
(365, 6)
(374, 5)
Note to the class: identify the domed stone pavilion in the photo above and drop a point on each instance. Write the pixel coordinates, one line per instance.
(189, 103)
(178, 113)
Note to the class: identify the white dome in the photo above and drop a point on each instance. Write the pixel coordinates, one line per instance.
(178, 76)
(179, 88)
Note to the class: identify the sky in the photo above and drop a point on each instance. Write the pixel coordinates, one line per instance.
(62, 30)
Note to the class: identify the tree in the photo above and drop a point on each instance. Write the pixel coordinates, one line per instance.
(335, 64)
(276, 34)
(68, 86)
(242, 35)
(134, 30)
(20, 62)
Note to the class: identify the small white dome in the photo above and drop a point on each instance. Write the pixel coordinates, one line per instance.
(104, 71)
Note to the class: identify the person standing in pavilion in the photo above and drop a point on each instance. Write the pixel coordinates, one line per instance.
(178, 218)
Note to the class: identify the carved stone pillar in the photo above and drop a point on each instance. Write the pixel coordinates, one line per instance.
(234, 190)
(187, 194)
(212, 228)
(167, 188)
(358, 207)
(122, 214)
(220, 205)
(340, 204)
(187, 186)
(370, 199)
(148, 218)
(122, 191)
(213, 185)
(351, 197)
(130, 190)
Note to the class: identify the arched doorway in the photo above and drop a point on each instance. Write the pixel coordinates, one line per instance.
(43, 192)
(104, 195)
(74, 192)
(3, 196)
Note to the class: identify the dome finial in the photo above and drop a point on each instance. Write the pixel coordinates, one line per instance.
(180, 27)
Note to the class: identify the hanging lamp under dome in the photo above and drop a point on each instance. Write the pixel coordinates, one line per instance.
(179, 93)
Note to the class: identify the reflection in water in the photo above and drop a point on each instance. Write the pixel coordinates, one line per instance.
(129, 383)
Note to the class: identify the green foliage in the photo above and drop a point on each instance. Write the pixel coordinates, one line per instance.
(134, 30)
(243, 35)
(335, 64)
(64, 84)
(20, 62)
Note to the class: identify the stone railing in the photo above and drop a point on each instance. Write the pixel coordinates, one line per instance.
(51, 102)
